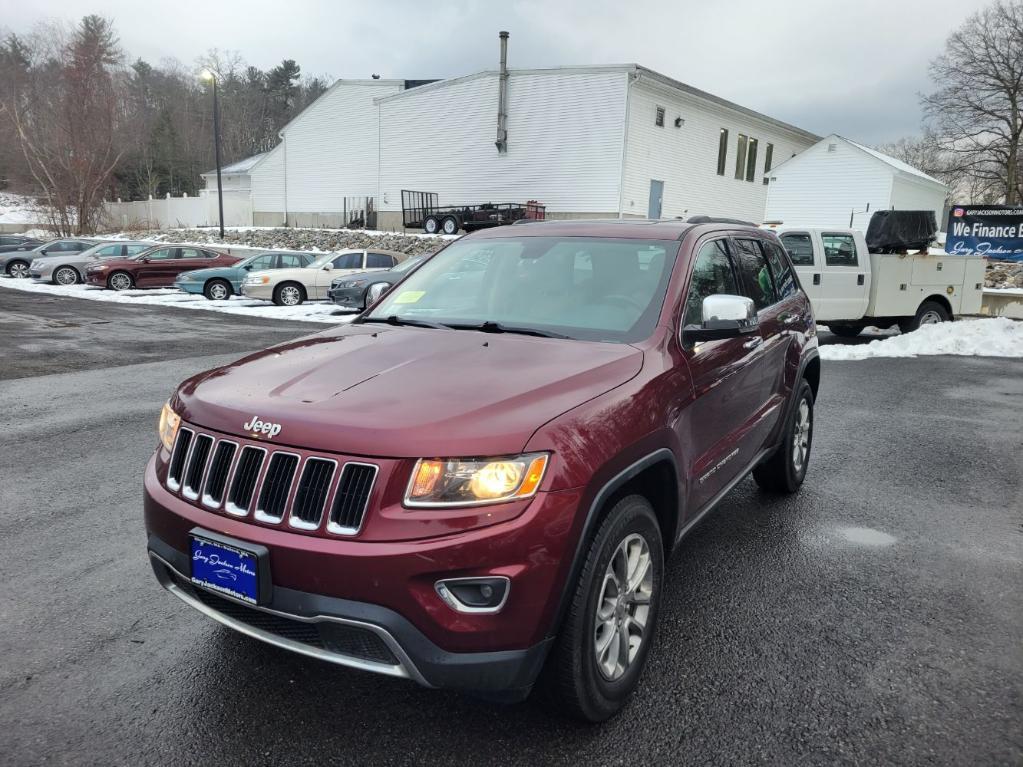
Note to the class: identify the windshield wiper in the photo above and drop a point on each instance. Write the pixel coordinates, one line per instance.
(395, 320)
(496, 327)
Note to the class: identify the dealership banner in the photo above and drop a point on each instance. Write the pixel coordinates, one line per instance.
(995, 231)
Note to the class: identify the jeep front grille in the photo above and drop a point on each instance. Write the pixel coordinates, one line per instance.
(313, 493)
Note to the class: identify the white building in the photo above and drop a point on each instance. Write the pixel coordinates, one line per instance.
(840, 183)
(236, 176)
(585, 141)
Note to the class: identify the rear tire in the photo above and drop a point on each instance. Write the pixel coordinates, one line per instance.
(450, 225)
(846, 331)
(431, 225)
(785, 469)
(18, 269)
(592, 670)
(120, 281)
(217, 290)
(929, 313)
(66, 275)
(289, 294)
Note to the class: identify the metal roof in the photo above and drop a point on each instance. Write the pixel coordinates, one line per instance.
(242, 166)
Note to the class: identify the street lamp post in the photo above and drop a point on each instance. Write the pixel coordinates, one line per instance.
(208, 75)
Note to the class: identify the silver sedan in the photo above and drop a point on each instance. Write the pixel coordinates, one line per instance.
(69, 268)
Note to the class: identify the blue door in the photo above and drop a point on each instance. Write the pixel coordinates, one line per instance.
(656, 196)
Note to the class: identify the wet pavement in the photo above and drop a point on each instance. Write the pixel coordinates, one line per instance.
(874, 618)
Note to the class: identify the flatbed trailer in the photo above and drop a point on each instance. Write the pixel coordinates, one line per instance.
(419, 210)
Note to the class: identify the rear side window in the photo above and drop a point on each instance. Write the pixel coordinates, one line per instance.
(291, 261)
(134, 250)
(348, 261)
(784, 282)
(108, 251)
(191, 253)
(799, 247)
(839, 249)
(379, 261)
(712, 275)
(755, 273)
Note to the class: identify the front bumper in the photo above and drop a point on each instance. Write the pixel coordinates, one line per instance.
(97, 278)
(353, 634)
(189, 286)
(258, 292)
(41, 274)
(347, 298)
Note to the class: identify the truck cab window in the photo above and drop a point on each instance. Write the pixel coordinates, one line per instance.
(712, 275)
(799, 247)
(839, 249)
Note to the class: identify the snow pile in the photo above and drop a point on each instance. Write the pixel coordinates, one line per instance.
(289, 238)
(996, 337)
(19, 209)
(317, 311)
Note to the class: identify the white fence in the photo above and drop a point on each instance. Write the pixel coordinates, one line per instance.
(178, 212)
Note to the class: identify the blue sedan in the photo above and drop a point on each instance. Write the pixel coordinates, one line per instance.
(220, 283)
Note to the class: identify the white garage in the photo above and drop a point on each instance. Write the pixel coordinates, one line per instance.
(840, 183)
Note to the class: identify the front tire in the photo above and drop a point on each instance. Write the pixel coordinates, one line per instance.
(120, 281)
(929, 313)
(606, 636)
(66, 275)
(785, 469)
(846, 331)
(217, 290)
(18, 269)
(289, 294)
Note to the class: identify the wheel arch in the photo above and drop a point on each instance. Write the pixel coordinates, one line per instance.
(654, 476)
(938, 298)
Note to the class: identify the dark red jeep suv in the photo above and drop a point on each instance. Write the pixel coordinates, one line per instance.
(476, 484)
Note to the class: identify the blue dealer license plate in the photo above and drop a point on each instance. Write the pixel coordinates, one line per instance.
(225, 569)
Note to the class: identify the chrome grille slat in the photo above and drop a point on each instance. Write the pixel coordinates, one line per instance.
(351, 498)
(182, 445)
(243, 484)
(219, 473)
(276, 487)
(311, 496)
(196, 470)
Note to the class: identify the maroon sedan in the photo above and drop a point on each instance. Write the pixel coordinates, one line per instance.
(154, 268)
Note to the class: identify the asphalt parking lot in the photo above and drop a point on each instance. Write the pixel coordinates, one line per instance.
(875, 618)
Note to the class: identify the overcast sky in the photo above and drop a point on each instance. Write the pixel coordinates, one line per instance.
(853, 68)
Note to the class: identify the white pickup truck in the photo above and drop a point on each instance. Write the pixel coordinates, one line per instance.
(852, 289)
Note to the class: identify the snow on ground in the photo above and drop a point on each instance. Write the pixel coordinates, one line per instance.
(316, 311)
(19, 209)
(996, 337)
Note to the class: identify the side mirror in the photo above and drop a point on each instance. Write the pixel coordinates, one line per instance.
(247, 267)
(145, 259)
(328, 267)
(724, 316)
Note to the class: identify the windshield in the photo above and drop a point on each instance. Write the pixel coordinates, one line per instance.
(582, 288)
(323, 260)
(404, 266)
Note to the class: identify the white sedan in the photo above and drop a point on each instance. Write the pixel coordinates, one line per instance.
(290, 287)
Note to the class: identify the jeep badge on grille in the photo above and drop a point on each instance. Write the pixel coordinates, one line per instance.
(258, 427)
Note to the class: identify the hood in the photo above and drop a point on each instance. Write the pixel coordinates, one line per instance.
(300, 273)
(407, 392)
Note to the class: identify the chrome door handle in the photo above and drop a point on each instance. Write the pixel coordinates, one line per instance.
(753, 343)
(788, 319)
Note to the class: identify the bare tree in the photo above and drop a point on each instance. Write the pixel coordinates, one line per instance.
(976, 115)
(65, 111)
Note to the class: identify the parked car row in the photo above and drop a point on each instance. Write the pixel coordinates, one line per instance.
(352, 278)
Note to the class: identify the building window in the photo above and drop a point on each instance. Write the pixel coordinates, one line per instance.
(722, 151)
(751, 160)
(740, 156)
(659, 117)
(768, 158)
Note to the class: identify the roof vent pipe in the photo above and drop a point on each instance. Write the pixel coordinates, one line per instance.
(502, 98)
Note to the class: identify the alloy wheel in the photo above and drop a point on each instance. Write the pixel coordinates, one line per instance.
(65, 276)
(290, 295)
(120, 281)
(623, 607)
(18, 269)
(801, 436)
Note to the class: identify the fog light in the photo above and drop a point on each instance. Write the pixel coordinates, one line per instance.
(474, 595)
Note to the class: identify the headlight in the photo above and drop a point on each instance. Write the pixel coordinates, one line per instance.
(35, 265)
(260, 280)
(471, 482)
(98, 268)
(169, 423)
(348, 284)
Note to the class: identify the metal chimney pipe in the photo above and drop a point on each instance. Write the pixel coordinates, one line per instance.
(502, 97)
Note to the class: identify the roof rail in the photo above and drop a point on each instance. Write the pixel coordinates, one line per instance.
(717, 220)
